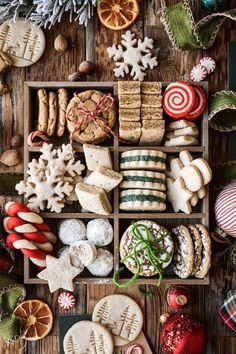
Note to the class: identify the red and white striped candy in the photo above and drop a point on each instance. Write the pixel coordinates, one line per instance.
(198, 73)
(37, 138)
(225, 209)
(66, 300)
(200, 103)
(134, 348)
(209, 64)
(178, 99)
(37, 256)
(23, 212)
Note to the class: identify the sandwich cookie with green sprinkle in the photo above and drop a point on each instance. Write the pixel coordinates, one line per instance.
(143, 180)
(142, 200)
(143, 160)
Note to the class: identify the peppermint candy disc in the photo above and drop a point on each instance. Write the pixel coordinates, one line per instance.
(198, 73)
(178, 99)
(66, 300)
(200, 103)
(209, 64)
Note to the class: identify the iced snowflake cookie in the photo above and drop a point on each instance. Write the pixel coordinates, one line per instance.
(88, 337)
(145, 229)
(122, 315)
(90, 132)
(103, 264)
(71, 230)
(100, 232)
(83, 250)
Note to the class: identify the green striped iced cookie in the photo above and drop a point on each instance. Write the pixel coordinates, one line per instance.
(143, 160)
(143, 180)
(142, 200)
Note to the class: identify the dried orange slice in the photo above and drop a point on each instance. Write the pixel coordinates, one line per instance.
(118, 14)
(36, 317)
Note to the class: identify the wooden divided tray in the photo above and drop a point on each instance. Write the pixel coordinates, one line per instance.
(119, 220)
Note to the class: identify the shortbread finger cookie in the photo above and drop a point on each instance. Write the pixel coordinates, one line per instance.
(182, 141)
(103, 265)
(93, 199)
(122, 315)
(142, 200)
(129, 115)
(180, 124)
(129, 87)
(206, 252)
(151, 100)
(192, 178)
(105, 178)
(183, 259)
(143, 180)
(130, 131)
(143, 159)
(151, 88)
(52, 113)
(84, 250)
(71, 230)
(152, 132)
(129, 241)
(151, 113)
(197, 242)
(88, 337)
(129, 101)
(204, 169)
(62, 105)
(178, 195)
(43, 106)
(100, 232)
(96, 156)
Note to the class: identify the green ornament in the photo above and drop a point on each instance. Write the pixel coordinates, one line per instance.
(213, 5)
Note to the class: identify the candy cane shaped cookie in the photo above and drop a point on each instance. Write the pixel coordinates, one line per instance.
(36, 256)
(134, 348)
(23, 212)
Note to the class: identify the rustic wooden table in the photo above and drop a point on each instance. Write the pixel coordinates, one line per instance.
(91, 43)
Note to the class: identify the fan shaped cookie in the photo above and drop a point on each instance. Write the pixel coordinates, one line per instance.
(121, 315)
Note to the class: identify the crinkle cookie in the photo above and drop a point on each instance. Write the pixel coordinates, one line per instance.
(71, 230)
(89, 131)
(100, 232)
(129, 241)
(103, 264)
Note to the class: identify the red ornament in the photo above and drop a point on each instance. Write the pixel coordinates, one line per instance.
(182, 334)
(179, 297)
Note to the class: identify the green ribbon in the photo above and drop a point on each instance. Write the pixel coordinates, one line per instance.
(154, 254)
(182, 30)
(222, 112)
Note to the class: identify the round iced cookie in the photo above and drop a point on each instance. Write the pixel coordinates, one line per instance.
(100, 232)
(83, 250)
(103, 264)
(71, 230)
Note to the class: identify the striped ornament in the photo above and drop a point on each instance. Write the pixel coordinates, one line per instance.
(225, 209)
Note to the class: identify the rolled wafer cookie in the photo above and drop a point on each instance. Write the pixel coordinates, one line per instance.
(142, 199)
(143, 180)
(143, 159)
(52, 113)
(43, 107)
(62, 105)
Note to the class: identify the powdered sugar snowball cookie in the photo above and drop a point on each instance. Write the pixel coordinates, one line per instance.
(198, 73)
(74, 260)
(71, 230)
(122, 315)
(129, 241)
(209, 64)
(225, 209)
(103, 264)
(88, 337)
(83, 250)
(100, 232)
(178, 99)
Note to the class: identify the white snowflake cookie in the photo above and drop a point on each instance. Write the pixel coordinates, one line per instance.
(100, 232)
(71, 230)
(136, 56)
(103, 264)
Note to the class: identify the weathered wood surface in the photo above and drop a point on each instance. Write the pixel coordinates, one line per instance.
(91, 43)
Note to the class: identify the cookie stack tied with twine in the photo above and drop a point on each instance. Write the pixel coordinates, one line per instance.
(52, 111)
(143, 183)
(140, 112)
(187, 180)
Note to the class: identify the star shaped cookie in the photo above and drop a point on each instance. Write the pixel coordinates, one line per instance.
(179, 195)
(59, 273)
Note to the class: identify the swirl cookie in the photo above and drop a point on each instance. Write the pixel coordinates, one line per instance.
(206, 251)
(121, 315)
(183, 260)
(197, 242)
(143, 160)
(89, 132)
(143, 180)
(142, 199)
(129, 241)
